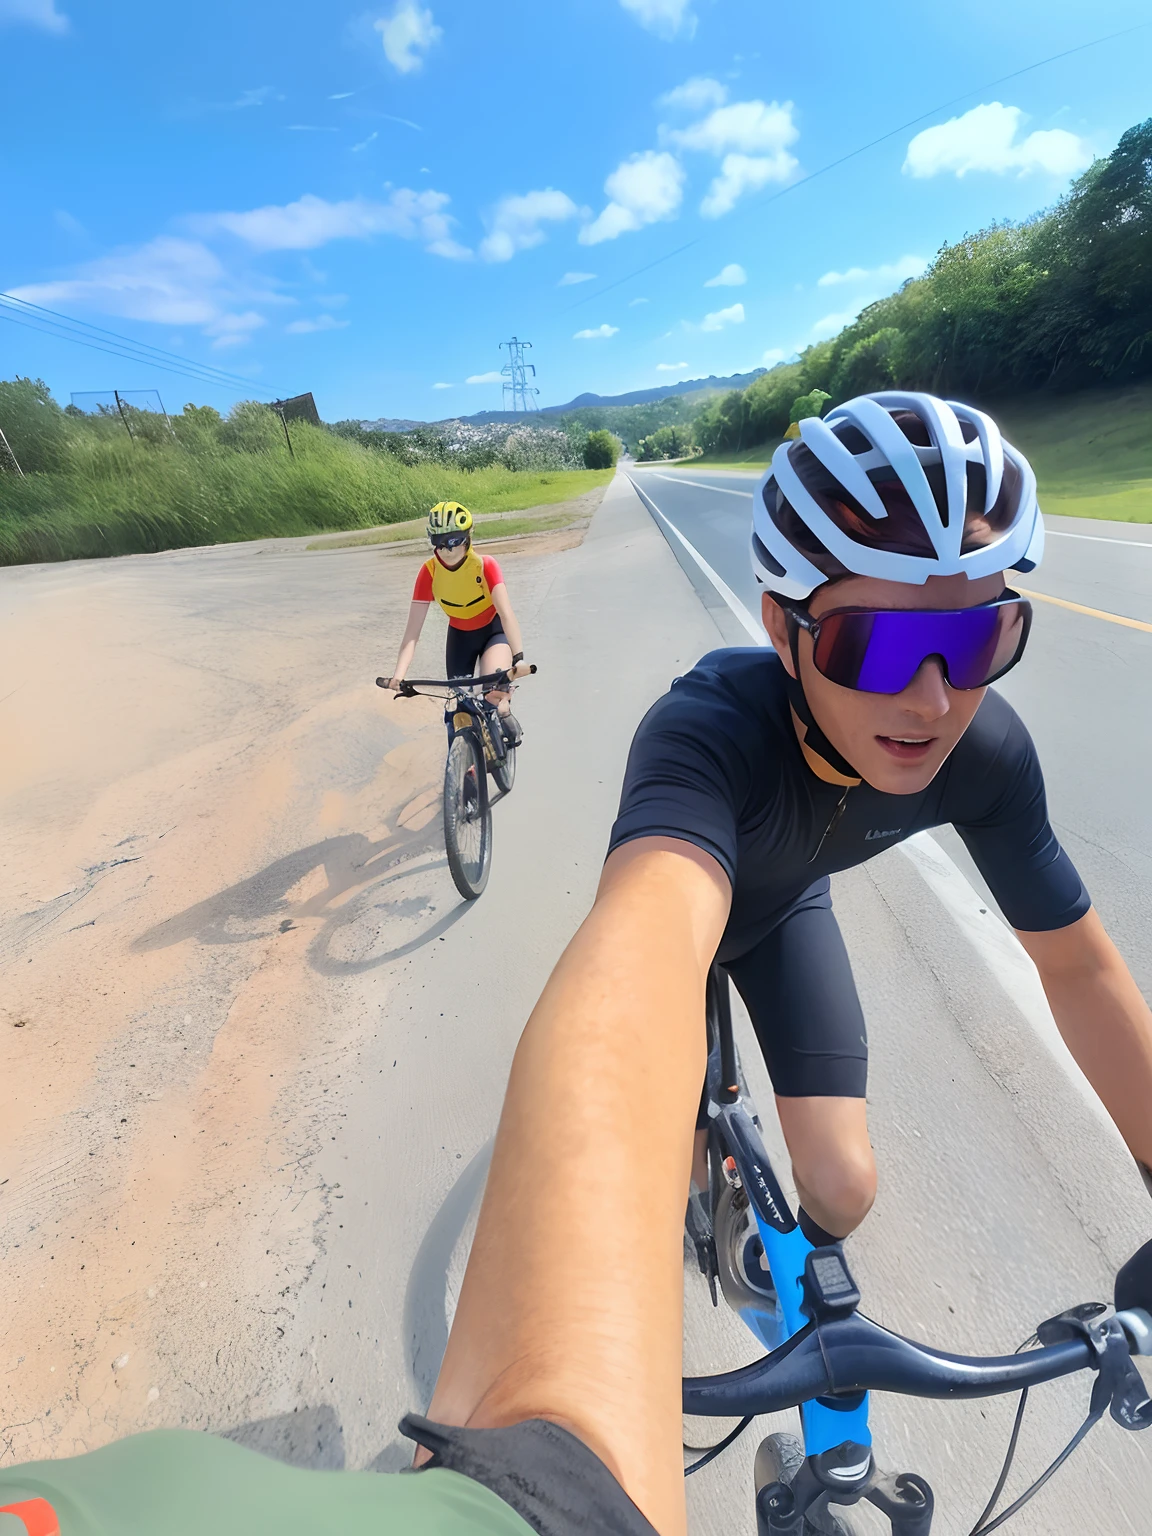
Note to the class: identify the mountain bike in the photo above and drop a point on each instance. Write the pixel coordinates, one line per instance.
(825, 1356)
(477, 748)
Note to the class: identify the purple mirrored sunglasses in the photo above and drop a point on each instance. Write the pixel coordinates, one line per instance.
(880, 650)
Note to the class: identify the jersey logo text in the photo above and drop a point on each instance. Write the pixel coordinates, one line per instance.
(875, 836)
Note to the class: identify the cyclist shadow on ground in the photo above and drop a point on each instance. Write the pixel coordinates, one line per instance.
(363, 890)
(426, 1297)
(310, 1437)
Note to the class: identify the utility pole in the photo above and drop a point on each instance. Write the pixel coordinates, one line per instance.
(515, 372)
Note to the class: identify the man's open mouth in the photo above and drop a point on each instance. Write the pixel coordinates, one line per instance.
(908, 749)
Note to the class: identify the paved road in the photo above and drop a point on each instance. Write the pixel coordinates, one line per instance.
(1085, 688)
(292, 1282)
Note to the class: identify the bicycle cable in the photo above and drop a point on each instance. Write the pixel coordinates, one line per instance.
(1095, 1414)
(721, 1445)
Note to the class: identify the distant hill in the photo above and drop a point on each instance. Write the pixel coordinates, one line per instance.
(702, 387)
(391, 424)
(709, 386)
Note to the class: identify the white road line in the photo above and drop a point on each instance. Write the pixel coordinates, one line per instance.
(993, 940)
(679, 480)
(755, 630)
(1091, 538)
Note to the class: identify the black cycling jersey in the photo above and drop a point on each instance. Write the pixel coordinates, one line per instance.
(716, 762)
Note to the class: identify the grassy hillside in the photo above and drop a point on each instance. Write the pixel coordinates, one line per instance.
(1092, 451)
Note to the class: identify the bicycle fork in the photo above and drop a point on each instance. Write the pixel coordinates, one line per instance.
(844, 1476)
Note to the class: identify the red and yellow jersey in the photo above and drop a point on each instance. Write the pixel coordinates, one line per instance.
(465, 594)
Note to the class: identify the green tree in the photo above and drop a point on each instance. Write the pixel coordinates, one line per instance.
(811, 404)
(601, 450)
(671, 442)
(35, 426)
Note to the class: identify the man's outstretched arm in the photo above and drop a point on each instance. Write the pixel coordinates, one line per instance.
(571, 1307)
(1104, 1020)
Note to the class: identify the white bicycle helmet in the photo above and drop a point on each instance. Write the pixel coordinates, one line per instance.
(896, 485)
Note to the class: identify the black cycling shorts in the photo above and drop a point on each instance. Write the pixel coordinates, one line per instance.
(464, 647)
(549, 1477)
(798, 988)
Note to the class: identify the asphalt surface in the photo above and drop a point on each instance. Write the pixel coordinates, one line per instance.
(1003, 1197)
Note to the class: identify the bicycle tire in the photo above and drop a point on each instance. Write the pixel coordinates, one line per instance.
(504, 774)
(467, 816)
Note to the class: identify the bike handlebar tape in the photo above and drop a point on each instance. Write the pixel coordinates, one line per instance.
(1134, 1282)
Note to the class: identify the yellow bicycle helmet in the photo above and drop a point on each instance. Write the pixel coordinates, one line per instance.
(448, 517)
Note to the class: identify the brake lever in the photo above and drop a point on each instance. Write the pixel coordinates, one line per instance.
(1118, 1381)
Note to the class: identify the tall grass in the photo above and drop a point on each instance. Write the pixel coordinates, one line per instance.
(94, 492)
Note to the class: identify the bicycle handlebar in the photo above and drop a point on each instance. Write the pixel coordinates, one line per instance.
(853, 1354)
(489, 680)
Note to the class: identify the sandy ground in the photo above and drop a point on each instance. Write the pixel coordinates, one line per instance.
(202, 795)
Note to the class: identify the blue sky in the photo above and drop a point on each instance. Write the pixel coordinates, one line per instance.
(364, 203)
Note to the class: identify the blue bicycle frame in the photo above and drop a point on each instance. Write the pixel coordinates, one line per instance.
(825, 1356)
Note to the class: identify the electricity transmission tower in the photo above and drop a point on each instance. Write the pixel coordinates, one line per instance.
(515, 372)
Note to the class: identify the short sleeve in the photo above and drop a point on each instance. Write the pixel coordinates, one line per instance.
(687, 777)
(492, 573)
(422, 591)
(1010, 837)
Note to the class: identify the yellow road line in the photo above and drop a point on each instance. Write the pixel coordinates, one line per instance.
(1093, 613)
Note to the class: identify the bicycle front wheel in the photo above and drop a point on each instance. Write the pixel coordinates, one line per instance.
(504, 774)
(467, 816)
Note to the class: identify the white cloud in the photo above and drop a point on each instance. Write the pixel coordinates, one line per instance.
(986, 139)
(341, 95)
(740, 174)
(892, 272)
(695, 95)
(233, 330)
(514, 224)
(364, 143)
(576, 277)
(441, 386)
(312, 221)
(643, 189)
(484, 378)
(260, 97)
(773, 356)
(752, 137)
(731, 276)
(321, 323)
(830, 325)
(751, 127)
(168, 281)
(632, 303)
(451, 250)
(598, 333)
(664, 17)
(406, 34)
(733, 315)
(310, 128)
(670, 367)
(34, 13)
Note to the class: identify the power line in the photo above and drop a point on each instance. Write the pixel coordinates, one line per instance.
(64, 328)
(143, 346)
(864, 148)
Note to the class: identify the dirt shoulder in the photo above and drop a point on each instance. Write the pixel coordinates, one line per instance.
(576, 513)
(210, 815)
